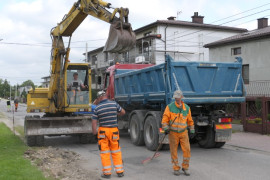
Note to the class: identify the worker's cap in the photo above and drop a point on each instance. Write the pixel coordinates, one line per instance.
(177, 94)
(101, 93)
(75, 73)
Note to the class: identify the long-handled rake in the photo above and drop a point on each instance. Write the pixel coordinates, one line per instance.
(156, 154)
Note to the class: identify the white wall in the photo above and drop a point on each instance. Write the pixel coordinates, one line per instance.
(188, 40)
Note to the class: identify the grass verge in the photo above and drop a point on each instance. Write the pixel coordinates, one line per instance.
(20, 130)
(13, 165)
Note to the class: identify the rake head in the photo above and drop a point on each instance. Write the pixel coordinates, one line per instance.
(147, 160)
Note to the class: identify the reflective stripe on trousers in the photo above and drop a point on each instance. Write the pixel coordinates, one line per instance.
(109, 146)
(119, 168)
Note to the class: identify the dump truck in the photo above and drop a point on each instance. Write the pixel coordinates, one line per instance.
(67, 102)
(144, 90)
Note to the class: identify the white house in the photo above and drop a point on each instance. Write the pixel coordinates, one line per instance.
(46, 82)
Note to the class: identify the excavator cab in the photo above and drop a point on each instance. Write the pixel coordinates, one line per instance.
(78, 88)
(77, 85)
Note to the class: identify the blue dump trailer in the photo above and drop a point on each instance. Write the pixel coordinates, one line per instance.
(208, 87)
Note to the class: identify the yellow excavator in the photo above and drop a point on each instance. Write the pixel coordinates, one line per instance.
(66, 104)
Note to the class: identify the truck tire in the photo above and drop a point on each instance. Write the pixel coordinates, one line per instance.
(208, 141)
(40, 140)
(136, 134)
(31, 141)
(219, 144)
(151, 136)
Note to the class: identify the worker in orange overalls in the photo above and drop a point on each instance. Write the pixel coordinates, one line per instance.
(108, 134)
(16, 102)
(176, 119)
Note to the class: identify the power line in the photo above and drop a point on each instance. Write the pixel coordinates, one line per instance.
(37, 45)
(232, 15)
(219, 24)
(228, 18)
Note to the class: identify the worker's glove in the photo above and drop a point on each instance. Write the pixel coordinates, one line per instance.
(192, 133)
(166, 131)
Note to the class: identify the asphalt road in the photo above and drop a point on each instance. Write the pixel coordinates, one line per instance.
(226, 163)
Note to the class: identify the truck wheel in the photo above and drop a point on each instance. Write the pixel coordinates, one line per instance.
(151, 136)
(40, 140)
(136, 134)
(31, 140)
(85, 138)
(208, 141)
(219, 144)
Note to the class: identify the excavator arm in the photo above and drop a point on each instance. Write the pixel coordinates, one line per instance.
(97, 8)
(121, 39)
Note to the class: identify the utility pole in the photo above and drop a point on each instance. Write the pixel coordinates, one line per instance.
(86, 54)
(9, 91)
(15, 91)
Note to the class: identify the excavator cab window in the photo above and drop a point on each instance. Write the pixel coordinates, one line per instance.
(77, 85)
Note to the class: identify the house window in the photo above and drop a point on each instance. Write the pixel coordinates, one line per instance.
(94, 59)
(236, 51)
(245, 73)
(145, 47)
(147, 33)
(106, 56)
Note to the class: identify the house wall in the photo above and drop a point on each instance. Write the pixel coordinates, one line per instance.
(189, 41)
(255, 53)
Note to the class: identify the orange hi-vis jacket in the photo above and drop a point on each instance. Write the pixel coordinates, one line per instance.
(182, 115)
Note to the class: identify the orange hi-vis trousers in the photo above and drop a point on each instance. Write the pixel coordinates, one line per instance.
(108, 142)
(174, 140)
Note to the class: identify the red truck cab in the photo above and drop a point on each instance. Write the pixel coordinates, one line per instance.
(118, 69)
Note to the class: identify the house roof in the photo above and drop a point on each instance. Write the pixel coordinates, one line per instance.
(95, 50)
(247, 36)
(188, 24)
(45, 77)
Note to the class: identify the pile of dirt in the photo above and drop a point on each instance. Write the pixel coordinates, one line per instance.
(59, 164)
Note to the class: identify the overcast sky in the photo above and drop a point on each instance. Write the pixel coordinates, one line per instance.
(25, 27)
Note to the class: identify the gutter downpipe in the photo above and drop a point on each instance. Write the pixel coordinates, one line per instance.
(166, 39)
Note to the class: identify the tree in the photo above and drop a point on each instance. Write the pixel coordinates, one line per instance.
(28, 83)
(4, 88)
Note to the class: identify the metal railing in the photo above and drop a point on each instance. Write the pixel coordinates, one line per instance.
(258, 88)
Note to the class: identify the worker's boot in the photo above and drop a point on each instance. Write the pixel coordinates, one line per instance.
(186, 172)
(176, 172)
(120, 174)
(107, 176)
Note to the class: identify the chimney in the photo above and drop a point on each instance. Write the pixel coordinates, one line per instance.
(262, 23)
(196, 18)
(171, 18)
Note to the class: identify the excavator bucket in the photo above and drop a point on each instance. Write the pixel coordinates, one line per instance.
(121, 38)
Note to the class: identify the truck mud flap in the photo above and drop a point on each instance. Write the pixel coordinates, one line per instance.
(57, 125)
(223, 135)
